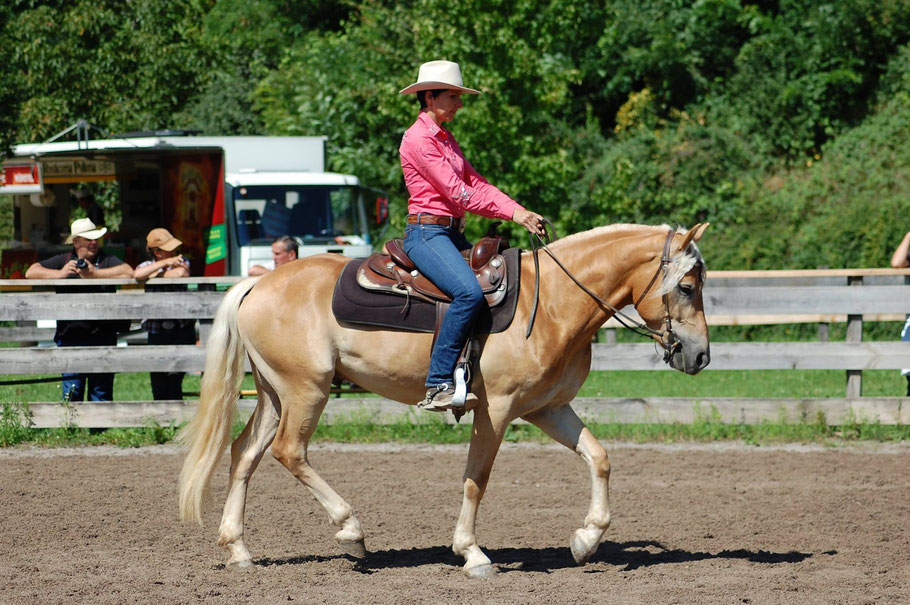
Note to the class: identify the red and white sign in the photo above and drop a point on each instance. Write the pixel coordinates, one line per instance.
(20, 179)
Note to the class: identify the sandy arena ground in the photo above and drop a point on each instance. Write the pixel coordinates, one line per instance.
(692, 524)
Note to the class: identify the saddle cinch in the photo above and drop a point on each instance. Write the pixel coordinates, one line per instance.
(395, 273)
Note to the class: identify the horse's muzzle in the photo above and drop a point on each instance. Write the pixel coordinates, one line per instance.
(702, 359)
(687, 358)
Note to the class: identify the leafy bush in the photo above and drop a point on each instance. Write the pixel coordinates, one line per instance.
(848, 208)
(682, 172)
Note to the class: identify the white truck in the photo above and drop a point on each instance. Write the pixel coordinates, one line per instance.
(226, 198)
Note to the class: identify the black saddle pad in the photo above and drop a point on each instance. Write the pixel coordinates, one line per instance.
(353, 305)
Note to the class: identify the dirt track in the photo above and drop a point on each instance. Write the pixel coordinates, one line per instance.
(692, 524)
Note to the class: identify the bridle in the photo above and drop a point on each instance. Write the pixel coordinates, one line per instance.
(666, 338)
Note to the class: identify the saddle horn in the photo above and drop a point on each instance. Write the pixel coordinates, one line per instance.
(693, 235)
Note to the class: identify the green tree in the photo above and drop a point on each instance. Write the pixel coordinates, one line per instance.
(847, 208)
(679, 172)
(809, 72)
(122, 66)
(247, 39)
(10, 93)
(517, 133)
(676, 49)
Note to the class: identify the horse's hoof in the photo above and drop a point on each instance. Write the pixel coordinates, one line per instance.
(584, 544)
(237, 565)
(480, 572)
(353, 548)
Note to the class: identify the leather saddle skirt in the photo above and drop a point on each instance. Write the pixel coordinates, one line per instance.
(385, 290)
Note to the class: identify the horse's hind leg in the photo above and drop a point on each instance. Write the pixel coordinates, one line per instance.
(299, 418)
(563, 425)
(246, 452)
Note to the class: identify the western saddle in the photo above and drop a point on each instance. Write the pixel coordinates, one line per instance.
(395, 273)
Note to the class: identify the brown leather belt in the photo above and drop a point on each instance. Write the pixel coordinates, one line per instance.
(432, 219)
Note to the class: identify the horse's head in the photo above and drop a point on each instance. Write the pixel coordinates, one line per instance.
(669, 300)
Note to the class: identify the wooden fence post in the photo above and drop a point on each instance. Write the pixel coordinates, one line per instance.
(854, 335)
(205, 324)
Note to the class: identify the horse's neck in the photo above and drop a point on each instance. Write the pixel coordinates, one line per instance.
(604, 261)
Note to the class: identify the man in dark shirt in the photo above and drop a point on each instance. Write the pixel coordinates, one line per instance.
(88, 204)
(85, 261)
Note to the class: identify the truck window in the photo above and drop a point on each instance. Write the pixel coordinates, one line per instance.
(311, 212)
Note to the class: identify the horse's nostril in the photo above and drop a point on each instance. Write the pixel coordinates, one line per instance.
(702, 360)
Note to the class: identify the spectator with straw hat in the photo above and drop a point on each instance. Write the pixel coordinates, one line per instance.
(85, 261)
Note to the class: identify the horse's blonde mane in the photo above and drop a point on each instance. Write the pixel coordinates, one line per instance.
(681, 263)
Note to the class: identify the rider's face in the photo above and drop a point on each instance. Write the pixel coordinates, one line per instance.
(444, 106)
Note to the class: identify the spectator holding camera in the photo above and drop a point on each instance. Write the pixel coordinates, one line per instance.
(86, 261)
(168, 262)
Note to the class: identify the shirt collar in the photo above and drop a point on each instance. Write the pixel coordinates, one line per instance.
(432, 127)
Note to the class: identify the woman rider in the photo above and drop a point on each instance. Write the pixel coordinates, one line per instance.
(443, 185)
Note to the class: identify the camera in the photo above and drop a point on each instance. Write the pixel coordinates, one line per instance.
(81, 263)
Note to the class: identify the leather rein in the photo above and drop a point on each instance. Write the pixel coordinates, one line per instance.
(666, 338)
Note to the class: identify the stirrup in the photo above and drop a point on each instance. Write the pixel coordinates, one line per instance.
(438, 399)
(462, 372)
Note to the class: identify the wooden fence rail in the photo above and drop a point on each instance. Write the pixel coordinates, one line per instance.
(731, 298)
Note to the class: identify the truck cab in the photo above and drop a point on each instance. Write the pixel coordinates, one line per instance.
(325, 212)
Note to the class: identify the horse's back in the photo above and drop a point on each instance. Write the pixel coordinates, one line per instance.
(291, 305)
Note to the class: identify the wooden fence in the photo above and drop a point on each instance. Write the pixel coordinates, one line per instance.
(853, 296)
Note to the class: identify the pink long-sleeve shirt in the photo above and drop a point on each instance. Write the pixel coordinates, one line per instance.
(441, 181)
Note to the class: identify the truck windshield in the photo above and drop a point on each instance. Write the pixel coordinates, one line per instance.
(311, 212)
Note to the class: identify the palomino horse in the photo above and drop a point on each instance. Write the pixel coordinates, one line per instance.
(284, 324)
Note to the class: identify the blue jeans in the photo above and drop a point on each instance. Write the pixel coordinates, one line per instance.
(435, 250)
(100, 386)
(169, 385)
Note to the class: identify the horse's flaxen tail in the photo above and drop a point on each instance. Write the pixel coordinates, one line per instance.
(209, 432)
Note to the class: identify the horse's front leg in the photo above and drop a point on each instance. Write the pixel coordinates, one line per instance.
(564, 425)
(485, 442)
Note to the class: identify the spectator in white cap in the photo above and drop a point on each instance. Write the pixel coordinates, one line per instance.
(86, 261)
(443, 186)
(166, 261)
(86, 238)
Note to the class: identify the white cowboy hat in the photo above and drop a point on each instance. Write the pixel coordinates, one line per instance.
(84, 227)
(439, 74)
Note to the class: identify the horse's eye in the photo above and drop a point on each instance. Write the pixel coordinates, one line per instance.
(687, 289)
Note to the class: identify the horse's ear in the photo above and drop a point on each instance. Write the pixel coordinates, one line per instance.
(693, 235)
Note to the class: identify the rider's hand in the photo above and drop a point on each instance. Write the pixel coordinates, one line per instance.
(531, 221)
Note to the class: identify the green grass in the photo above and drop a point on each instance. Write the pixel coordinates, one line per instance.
(361, 428)
(707, 427)
(13, 431)
(711, 383)
(740, 383)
